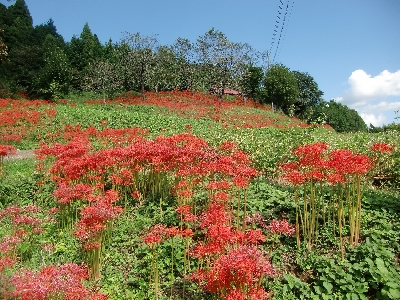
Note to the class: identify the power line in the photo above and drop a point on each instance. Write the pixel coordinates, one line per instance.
(285, 31)
(281, 22)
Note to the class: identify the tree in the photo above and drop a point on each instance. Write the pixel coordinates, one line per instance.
(54, 77)
(281, 88)
(339, 117)
(223, 62)
(3, 48)
(81, 51)
(102, 76)
(309, 94)
(251, 82)
(184, 52)
(163, 73)
(140, 56)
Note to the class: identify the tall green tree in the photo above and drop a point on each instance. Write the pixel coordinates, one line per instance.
(140, 56)
(102, 76)
(81, 51)
(163, 73)
(309, 95)
(185, 56)
(23, 58)
(251, 82)
(223, 62)
(340, 117)
(281, 88)
(54, 78)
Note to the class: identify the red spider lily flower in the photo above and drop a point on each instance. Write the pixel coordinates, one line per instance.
(65, 281)
(240, 157)
(7, 150)
(290, 166)
(92, 245)
(187, 232)
(136, 194)
(240, 181)
(256, 218)
(212, 248)
(235, 294)
(215, 214)
(184, 193)
(220, 233)
(155, 235)
(189, 217)
(218, 185)
(10, 211)
(183, 209)
(255, 236)
(345, 162)
(54, 210)
(315, 175)
(311, 154)
(65, 193)
(381, 147)
(294, 177)
(221, 196)
(151, 239)
(6, 262)
(171, 231)
(9, 243)
(239, 268)
(335, 178)
(281, 227)
(226, 146)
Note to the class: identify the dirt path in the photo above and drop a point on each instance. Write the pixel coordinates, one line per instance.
(21, 154)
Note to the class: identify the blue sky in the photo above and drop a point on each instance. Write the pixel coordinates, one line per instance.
(351, 48)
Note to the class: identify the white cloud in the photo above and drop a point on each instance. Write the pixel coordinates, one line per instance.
(372, 119)
(364, 87)
(371, 96)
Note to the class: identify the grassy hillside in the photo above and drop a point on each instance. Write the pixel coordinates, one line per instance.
(182, 196)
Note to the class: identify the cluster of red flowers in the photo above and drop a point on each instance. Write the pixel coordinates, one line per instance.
(25, 220)
(197, 105)
(182, 155)
(19, 117)
(314, 163)
(7, 150)
(236, 274)
(65, 282)
(94, 218)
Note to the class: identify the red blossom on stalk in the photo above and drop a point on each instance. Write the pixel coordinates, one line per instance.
(66, 193)
(311, 154)
(281, 227)
(239, 269)
(381, 147)
(218, 185)
(7, 150)
(95, 218)
(345, 162)
(6, 262)
(65, 282)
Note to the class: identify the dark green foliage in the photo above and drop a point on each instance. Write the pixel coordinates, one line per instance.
(252, 81)
(339, 116)
(309, 94)
(281, 88)
(54, 77)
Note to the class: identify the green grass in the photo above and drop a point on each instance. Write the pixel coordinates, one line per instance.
(369, 271)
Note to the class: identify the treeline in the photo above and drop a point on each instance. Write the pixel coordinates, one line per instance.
(37, 61)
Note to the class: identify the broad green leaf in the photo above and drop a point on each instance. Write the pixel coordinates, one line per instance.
(328, 286)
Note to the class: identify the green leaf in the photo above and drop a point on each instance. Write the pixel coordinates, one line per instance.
(328, 286)
(394, 293)
(382, 269)
(318, 290)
